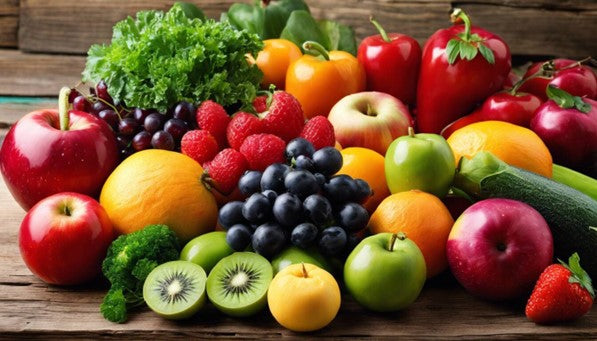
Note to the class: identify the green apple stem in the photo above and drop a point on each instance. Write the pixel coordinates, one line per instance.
(305, 274)
(315, 47)
(63, 107)
(411, 132)
(399, 235)
(382, 32)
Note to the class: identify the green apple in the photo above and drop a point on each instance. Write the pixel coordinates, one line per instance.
(420, 161)
(206, 249)
(296, 255)
(385, 272)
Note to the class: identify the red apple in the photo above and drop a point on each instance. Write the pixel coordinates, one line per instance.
(369, 119)
(64, 238)
(46, 153)
(498, 248)
(569, 133)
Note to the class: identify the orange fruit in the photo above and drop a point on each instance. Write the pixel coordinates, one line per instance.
(366, 164)
(515, 145)
(424, 219)
(159, 187)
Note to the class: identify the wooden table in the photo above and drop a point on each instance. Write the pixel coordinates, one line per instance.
(31, 309)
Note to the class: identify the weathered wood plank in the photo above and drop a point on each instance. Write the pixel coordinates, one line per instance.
(48, 26)
(11, 111)
(9, 22)
(33, 310)
(25, 74)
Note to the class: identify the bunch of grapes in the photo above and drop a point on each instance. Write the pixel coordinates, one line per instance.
(137, 129)
(300, 203)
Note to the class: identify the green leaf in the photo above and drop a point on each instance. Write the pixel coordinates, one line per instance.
(341, 37)
(561, 97)
(301, 26)
(453, 50)
(247, 17)
(578, 274)
(487, 53)
(191, 11)
(581, 105)
(277, 14)
(467, 51)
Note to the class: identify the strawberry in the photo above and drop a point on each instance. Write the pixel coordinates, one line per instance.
(284, 117)
(212, 117)
(563, 292)
(260, 103)
(224, 171)
(262, 150)
(242, 125)
(200, 145)
(320, 132)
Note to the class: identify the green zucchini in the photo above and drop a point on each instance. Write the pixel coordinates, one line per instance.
(576, 180)
(570, 214)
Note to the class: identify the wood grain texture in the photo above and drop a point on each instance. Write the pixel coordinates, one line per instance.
(535, 27)
(9, 22)
(27, 74)
(11, 111)
(33, 310)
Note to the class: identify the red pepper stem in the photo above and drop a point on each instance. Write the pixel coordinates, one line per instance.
(63, 107)
(458, 13)
(313, 46)
(382, 32)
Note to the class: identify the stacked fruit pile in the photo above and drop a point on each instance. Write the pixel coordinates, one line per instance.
(196, 148)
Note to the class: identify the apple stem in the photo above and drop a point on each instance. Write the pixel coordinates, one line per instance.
(392, 241)
(315, 47)
(382, 32)
(305, 274)
(63, 107)
(411, 132)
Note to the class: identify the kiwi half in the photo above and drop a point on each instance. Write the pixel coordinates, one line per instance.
(175, 290)
(238, 284)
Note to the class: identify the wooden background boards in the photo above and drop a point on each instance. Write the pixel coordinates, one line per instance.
(43, 43)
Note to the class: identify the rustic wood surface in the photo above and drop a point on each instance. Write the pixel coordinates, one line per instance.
(32, 309)
(9, 22)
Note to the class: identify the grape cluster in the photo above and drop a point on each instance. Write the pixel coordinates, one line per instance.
(300, 203)
(137, 129)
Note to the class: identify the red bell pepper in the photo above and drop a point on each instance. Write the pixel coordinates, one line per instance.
(391, 62)
(461, 66)
(568, 75)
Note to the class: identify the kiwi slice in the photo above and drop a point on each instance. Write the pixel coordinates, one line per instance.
(238, 284)
(175, 290)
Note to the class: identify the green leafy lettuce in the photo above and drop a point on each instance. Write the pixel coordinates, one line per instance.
(158, 59)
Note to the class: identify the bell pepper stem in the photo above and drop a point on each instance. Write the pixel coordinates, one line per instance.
(381, 30)
(313, 46)
(63, 107)
(458, 14)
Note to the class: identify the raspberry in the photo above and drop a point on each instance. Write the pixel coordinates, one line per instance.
(320, 132)
(225, 170)
(242, 125)
(260, 103)
(285, 116)
(262, 150)
(200, 145)
(212, 117)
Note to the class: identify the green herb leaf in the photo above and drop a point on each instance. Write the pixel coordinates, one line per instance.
(453, 50)
(191, 11)
(487, 53)
(302, 27)
(565, 100)
(467, 51)
(247, 17)
(277, 14)
(341, 37)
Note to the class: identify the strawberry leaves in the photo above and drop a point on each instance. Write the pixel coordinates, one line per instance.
(467, 45)
(579, 275)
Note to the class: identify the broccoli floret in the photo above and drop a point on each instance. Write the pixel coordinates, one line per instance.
(129, 260)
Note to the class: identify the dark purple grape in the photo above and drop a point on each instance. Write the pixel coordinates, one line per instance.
(288, 210)
(184, 111)
(153, 122)
(298, 146)
(110, 117)
(162, 140)
(249, 182)
(340, 189)
(74, 93)
(239, 236)
(271, 195)
(128, 126)
(231, 214)
(352, 216)
(302, 183)
(304, 162)
(268, 239)
(332, 241)
(304, 235)
(101, 89)
(140, 114)
(328, 160)
(321, 179)
(318, 210)
(81, 103)
(99, 106)
(176, 127)
(141, 141)
(257, 209)
(273, 177)
(363, 191)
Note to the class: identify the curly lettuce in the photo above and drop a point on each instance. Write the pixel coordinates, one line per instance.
(158, 59)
